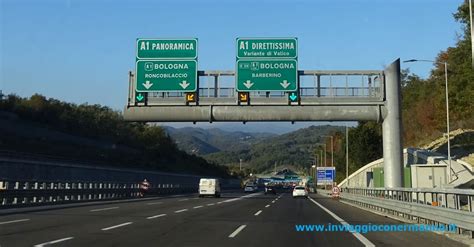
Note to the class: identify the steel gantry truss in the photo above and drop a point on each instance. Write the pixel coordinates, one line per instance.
(322, 96)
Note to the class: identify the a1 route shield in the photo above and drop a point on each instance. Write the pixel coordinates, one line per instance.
(167, 49)
(267, 75)
(166, 76)
(267, 48)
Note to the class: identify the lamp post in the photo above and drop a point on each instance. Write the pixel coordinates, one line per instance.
(472, 32)
(347, 152)
(332, 150)
(323, 144)
(447, 106)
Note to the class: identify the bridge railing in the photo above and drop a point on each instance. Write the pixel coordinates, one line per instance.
(428, 206)
(219, 86)
(30, 193)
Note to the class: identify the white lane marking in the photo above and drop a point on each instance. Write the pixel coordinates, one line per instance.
(103, 209)
(359, 236)
(54, 242)
(13, 221)
(198, 206)
(273, 201)
(116, 226)
(268, 205)
(210, 204)
(154, 203)
(182, 200)
(196, 198)
(242, 197)
(219, 202)
(257, 213)
(182, 210)
(237, 231)
(156, 216)
(176, 196)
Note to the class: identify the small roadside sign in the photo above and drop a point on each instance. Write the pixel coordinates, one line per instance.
(336, 192)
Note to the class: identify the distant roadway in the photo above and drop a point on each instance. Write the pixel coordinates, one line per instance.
(235, 219)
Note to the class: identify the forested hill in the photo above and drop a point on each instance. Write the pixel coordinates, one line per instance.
(92, 133)
(206, 141)
(293, 149)
(424, 100)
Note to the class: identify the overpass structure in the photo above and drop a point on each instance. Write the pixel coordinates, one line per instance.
(320, 96)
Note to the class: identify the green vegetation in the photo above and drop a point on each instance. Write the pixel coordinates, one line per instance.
(206, 141)
(95, 133)
(365, 146)
(423, 104)
(424, 111)
(293, 149)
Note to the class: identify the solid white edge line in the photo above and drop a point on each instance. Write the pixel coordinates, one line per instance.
(359, 236)
(156, 216)
(102, 209)
(200, 206)
(182, 210)
(240, 228)
(257, 213)
(116, 226)
(13, 221)
(54, 242)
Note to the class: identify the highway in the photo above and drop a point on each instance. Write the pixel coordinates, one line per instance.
(235, 219)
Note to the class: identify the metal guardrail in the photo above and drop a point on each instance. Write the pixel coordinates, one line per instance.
(31, 193)
(429, 206)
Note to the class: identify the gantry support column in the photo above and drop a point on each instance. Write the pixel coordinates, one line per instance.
(392, 128)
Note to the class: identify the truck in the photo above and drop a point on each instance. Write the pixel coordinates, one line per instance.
(209, 187)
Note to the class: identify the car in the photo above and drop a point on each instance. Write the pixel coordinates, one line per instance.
(270, 190)
(250, 188)
(209, 187)
(300, 191)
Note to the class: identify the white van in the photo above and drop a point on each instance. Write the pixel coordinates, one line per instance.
(209, 187)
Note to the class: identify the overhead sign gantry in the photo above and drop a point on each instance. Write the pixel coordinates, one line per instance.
(268, 87)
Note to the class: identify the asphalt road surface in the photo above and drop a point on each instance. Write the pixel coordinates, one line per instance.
(235, 219)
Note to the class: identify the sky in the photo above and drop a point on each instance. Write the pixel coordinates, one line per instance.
(81, 50)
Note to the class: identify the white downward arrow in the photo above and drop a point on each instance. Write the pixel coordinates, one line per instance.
(184, 84)
(147, 84)
(285, 84)
(248, 84)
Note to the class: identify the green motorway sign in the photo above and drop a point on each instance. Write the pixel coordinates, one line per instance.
(267, 48)
(267, 75)
(166, 48)
(166, 75)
